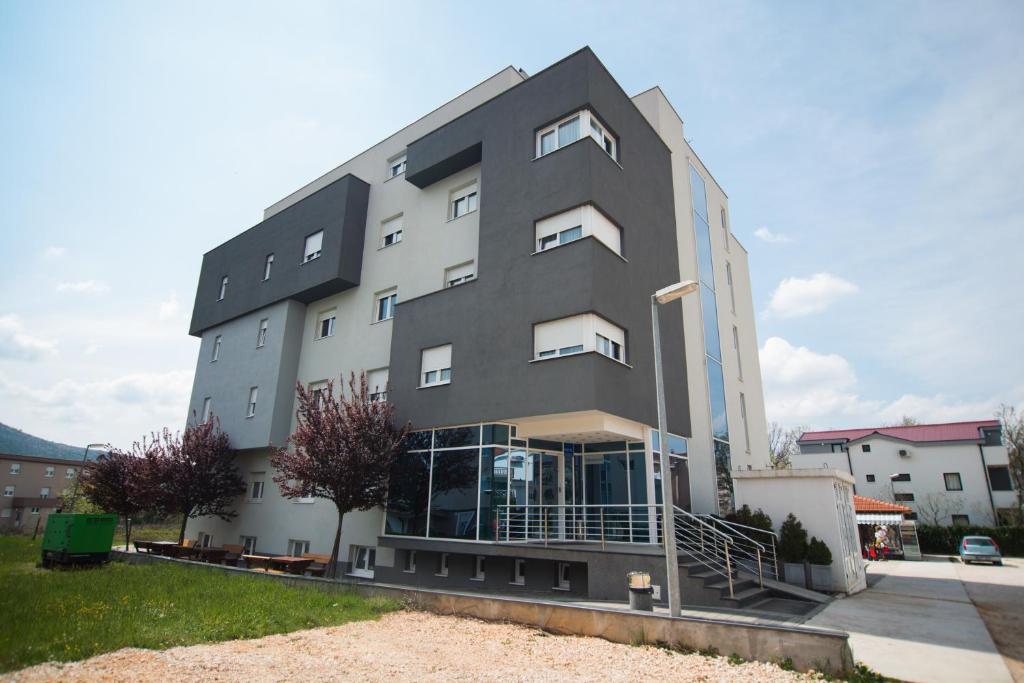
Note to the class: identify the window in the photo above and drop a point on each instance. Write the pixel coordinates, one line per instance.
(6, 512)
(837, 448)
(266, 267)
(736, 348)
(900, 477)
(518, 572)
(391, 231)
(870, 478)
(577, 223)
(207, 410)
(961, 520)
(256, 487)
(69, 473)
(579, 334)
(385, 306)
(49, 472)
(463, 201)
(297, 548)
(953, 482)
(410, 562)
(568, 130)
(319, 391)
(999, 478)
(205, 540)
(865, 448)
(363, 559)
(15, 468)
(377, 384)
(34, 511)
(478, 568)
(436, 366)
(44, 492)
(314, 245)
(396, 165)
(261, 336)
(725, 229)
(325, 324)
(904, 497)
(562, 582)
(248, 544)
(8, 491)
(732, 290)
(743, 416)
(442, 564)
(456, 275)
(251, 409)
(223, 288)
(216, 349)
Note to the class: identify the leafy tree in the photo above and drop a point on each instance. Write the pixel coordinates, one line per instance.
(1011, 423)
(818, 552)
(758, 519)
(193, 474)
(114, 482)
(792, 540)
(782, 445)
(342, 450)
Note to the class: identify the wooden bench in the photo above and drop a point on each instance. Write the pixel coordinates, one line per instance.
(233, 553)
(256, 561)
(320, 563)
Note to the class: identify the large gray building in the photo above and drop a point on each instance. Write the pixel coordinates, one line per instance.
(491, 266)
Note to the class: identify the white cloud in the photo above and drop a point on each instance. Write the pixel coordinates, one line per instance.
(170, 308)
(16, 343)
(766, 235)
(54, 251)
(83, 287)
(795, 297)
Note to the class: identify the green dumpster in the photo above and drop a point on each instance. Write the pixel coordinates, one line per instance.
(78, 539)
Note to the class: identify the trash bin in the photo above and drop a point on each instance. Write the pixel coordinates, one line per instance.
(641, 593)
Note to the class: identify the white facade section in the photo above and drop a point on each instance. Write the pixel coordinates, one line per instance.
(576, 334)
(556, 230)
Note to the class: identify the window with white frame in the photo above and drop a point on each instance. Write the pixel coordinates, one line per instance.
(251, 407)
(297, 548)
(69, 473)
(34, 511)
(479, 567)
(248, 544)
(577, 223)
(725, 229)
(579, 334)
(363, 560)
(216, 349)
(391, 231)
(319, 391)
(8, 491)
(314, 245)
(44, 492)
(261, 336)
(384, 305)
(743, 416)
(207, 410)
(518, 572)
(456, 275)
(562, 577)
(463, 200)
(15, 468)
(267, 264)
(377, 384)
(325, 323)
(736, 348)
(410, 562)
(256, 485)
(732, 291)
(436, 366)
(573, 127)
(49, 473)
(223, 288)
(396, 165)
(442, 564)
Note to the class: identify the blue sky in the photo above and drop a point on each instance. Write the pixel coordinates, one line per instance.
(871, 151)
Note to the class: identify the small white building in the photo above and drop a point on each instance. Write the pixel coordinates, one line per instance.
(953, 473)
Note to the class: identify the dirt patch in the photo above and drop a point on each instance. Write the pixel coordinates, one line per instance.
(408, 646)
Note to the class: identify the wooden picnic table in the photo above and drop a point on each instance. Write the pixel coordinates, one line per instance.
(292, 565)
(257, 561)
(211, 555)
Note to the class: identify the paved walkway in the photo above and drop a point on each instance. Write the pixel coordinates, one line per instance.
(916, 622)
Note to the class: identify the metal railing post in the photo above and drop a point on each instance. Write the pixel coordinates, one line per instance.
(545, 522)
(775, 556)
(728, 570)
(602, 528)
(760, 571)
(702, 539)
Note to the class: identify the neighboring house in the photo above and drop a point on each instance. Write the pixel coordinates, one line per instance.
(30, 489)
(952, 473)
(491, 267)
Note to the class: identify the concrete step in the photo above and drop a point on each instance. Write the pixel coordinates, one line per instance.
(737, 585)
(747, 596)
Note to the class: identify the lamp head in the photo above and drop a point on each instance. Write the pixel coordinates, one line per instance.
(676, 291)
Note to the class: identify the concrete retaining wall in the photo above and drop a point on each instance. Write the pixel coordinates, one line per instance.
(808, 648)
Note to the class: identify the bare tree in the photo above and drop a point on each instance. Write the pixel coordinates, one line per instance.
(905, 421)
(782, 445)
(934, 508)
(1012, 424)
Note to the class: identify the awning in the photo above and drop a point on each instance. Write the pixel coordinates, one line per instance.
(878, 518)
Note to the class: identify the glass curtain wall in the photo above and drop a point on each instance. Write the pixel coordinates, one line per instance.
(712, 343)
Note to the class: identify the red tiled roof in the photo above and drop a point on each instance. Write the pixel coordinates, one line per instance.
(865, 504)
(950, 431)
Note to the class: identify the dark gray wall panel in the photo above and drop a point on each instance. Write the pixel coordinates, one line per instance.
(339, 209)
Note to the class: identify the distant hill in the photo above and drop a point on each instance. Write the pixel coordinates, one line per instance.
(16, 442)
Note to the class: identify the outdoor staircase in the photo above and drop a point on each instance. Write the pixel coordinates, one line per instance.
(745, 591)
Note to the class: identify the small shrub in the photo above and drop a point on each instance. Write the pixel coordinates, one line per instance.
(818, 552)
(757, 518)
(792, 540)
(735, 659)
(944, 540)
(708, 651)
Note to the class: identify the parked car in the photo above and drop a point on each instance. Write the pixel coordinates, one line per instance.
(979, 549)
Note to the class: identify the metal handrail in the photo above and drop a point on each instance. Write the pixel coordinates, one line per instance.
(751, 549)
(705, 544)
(570, 523)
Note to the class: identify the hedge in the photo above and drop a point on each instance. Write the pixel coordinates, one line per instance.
(945, 540)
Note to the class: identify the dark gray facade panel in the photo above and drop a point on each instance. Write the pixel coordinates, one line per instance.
(339, 209)
(490, 322)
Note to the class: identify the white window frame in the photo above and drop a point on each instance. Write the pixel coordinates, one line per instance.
(590, 127)
(376, 391)
(725, 227)
(261, 335)
(578, 334)
(518, 572)
(329, 316)
(315, 239)
(34, 511)
(215, 355)
(410, 562)
(319, 391)
(608, 347)
(736, 348)
(459, 274)
(392, 228)
(44, 492)
(479, 568)
(389, 295)
(9, 491)
(223, 288)
(438, 372)
(250, 406)
(575, 224)
(396, 165)
(469, 192)
(363, 561)
(257, 487)
(267, 264)
(732, 290)
(15, 468)
(49, 472)
(248, 544)
(563, 577)
(442, 565)
(746, 425)
(69, 473)
(297, 547)
(207, 409)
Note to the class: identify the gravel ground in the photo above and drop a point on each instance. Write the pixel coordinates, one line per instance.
(407, 646)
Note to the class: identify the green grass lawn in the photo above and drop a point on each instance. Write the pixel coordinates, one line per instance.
(66, 615)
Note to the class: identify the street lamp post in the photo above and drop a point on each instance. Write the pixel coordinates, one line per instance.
(85, 457)
(663, 296)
